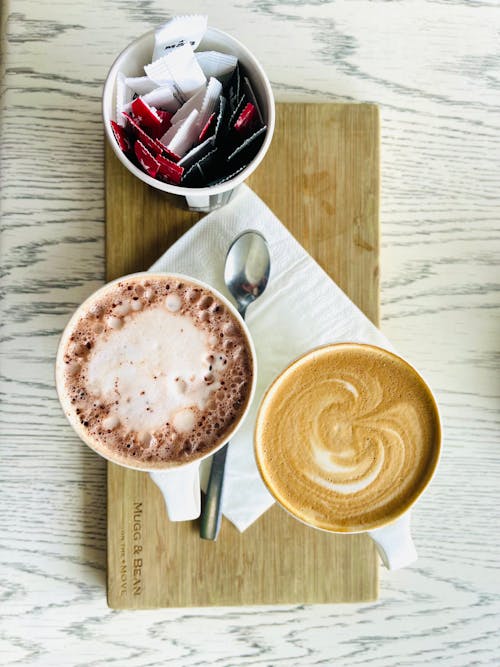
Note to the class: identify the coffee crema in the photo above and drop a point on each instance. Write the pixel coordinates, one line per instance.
(347, 437)
(154, 371)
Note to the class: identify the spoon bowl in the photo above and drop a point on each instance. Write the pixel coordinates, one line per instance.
(247, 268)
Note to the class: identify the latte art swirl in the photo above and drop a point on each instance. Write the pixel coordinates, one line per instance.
(347, 437)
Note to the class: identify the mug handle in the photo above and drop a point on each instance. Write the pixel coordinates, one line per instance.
(394, 543)
(181, 491)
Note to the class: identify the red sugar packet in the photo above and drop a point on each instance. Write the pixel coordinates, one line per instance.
(170, 154)
(169, 170)
(120, 136)
(247, 118)
(206, 128)
(147, 161)
(153, 145)
(145, 115)
(166, 117)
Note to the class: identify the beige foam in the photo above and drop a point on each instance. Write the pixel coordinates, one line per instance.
(347, 438)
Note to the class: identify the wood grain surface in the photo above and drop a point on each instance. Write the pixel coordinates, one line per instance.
(321, 178)
(433, 68)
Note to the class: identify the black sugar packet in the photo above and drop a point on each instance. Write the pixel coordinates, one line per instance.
(248, 90)
(234, 88)
(240, 105)
(197, 175)
(222, 121)
(233, 150)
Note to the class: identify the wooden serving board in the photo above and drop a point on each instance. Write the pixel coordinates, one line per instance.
(321, 178)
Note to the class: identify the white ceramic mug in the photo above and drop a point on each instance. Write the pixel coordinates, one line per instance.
(179, 484)
(393, 539)
(131, 62)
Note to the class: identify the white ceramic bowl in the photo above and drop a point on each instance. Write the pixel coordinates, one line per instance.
(131, 62)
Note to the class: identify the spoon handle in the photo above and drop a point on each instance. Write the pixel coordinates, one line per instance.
(212, 511)
(246, 273)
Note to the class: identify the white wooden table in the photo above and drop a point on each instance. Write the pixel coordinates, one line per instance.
(434, 69)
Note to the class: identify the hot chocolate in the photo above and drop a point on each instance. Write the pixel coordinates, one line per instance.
(347, 437)
(154, 371)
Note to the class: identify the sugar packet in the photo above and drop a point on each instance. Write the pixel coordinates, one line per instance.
(210, 99)
(141, 85)
(180, 30)
(181, 137)
(124, 97)
(216, 64)
(178, 69)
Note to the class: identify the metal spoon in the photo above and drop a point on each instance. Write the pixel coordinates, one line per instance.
(246, 274)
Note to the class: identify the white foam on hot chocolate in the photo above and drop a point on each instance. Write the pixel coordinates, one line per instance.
(153, 370)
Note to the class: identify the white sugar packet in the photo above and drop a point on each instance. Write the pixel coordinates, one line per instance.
(163, 97)
(178, 69)
(180, 30)
(300, 309)
(124, 97)
(216, 64)
(141, 85)
(181, 137)
(193, 102)
(210, 100)
(204, 101)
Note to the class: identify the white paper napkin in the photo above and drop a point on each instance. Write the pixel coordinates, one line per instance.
(300, 309)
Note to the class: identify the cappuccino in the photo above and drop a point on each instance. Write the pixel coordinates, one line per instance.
(154, 371)
(347, 437)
